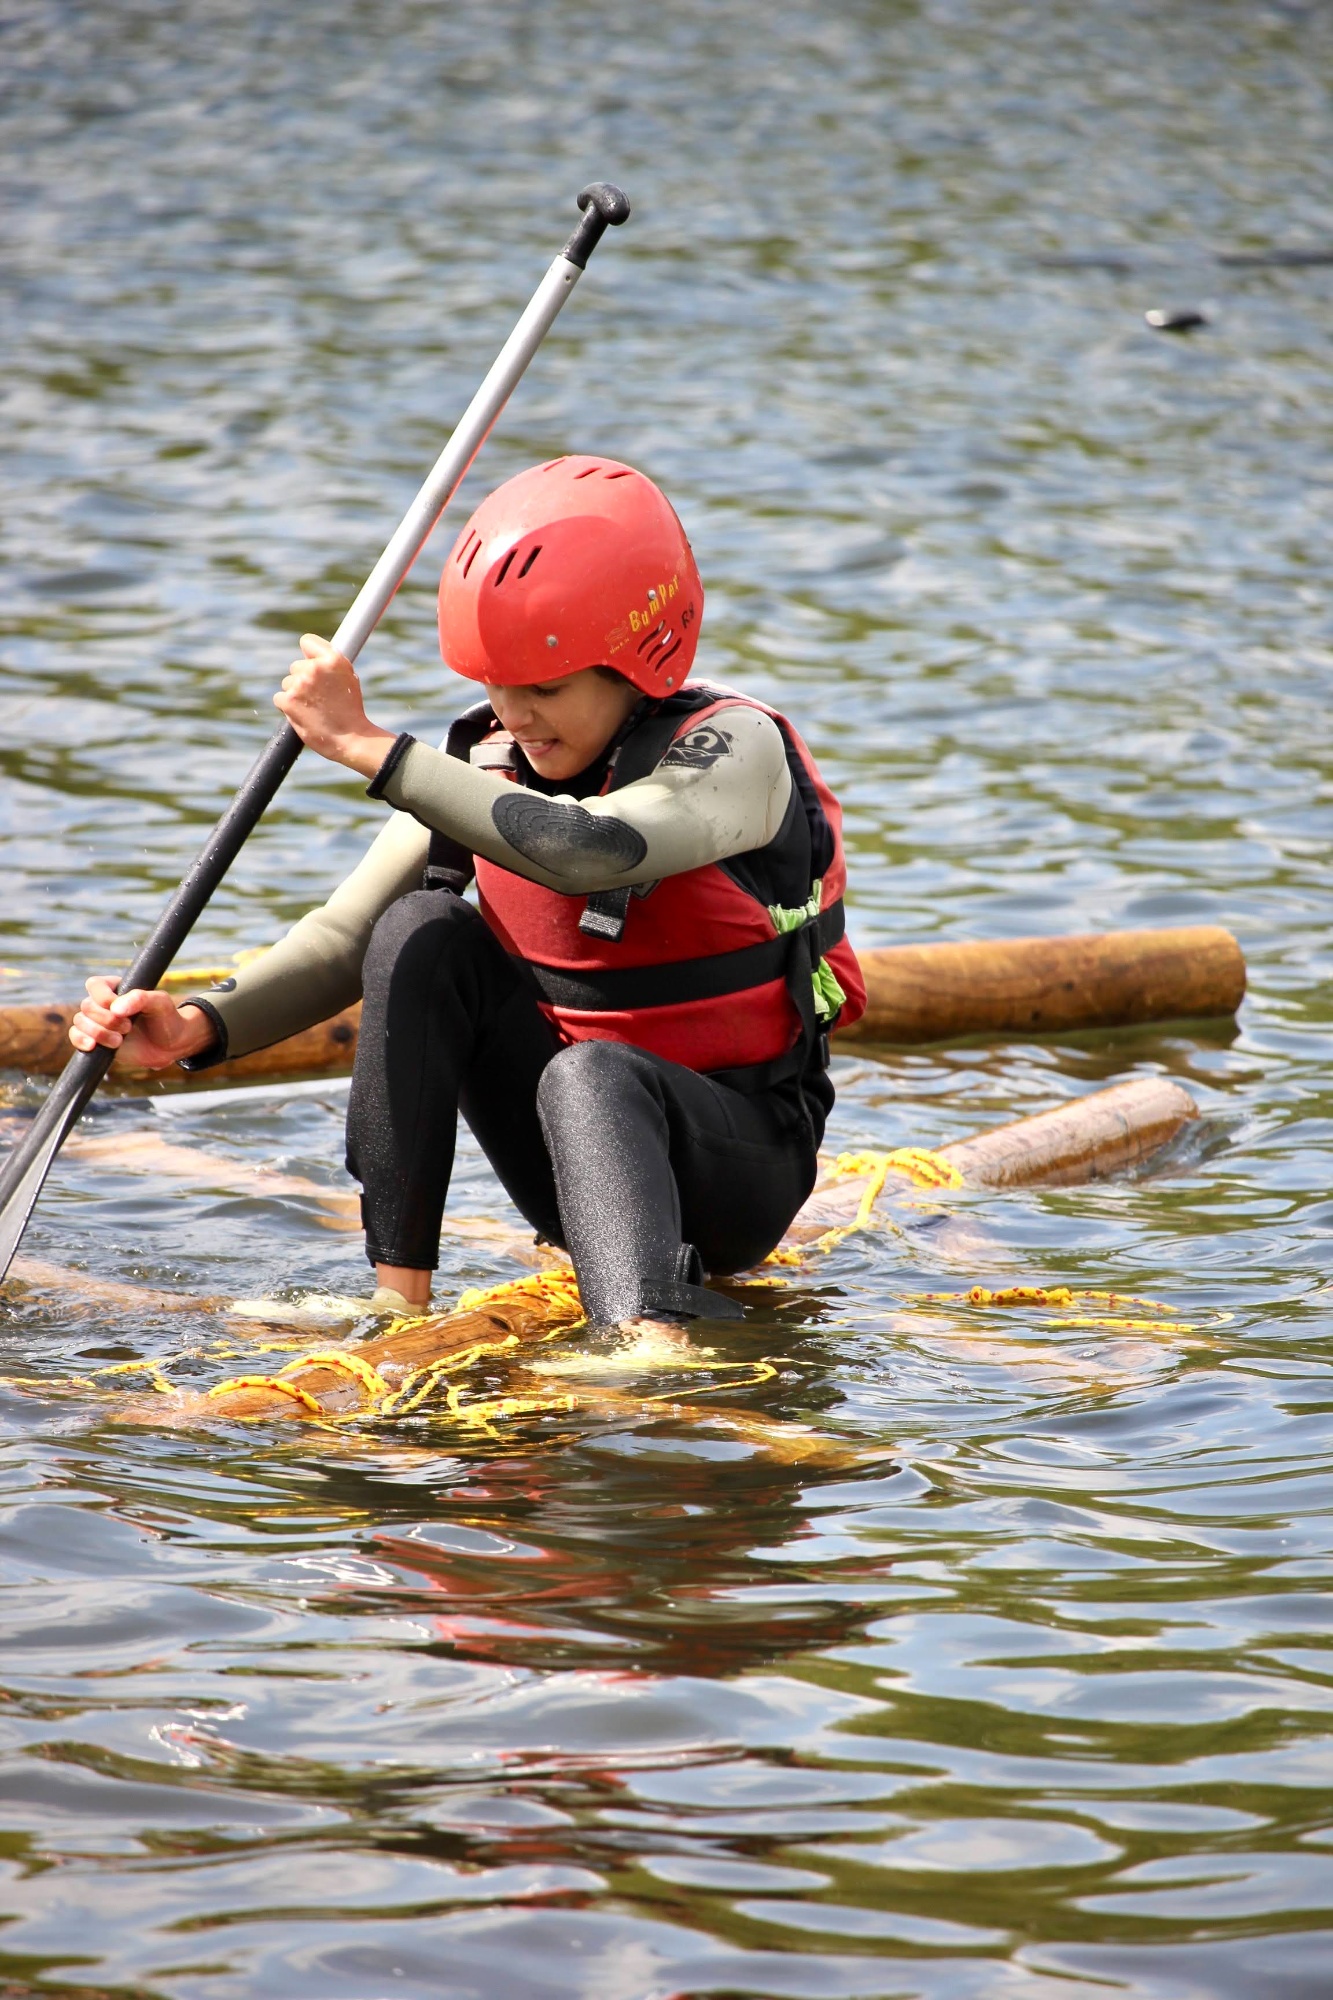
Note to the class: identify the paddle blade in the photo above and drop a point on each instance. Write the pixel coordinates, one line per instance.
(28, 1165)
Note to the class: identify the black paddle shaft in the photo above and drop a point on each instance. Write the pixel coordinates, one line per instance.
(26, 1168)
(30, 1160)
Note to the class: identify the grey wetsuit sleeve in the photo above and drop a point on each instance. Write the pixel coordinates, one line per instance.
(315, 970)
(721, 789)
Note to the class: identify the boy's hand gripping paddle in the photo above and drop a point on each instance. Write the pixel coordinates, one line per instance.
(27, 1166)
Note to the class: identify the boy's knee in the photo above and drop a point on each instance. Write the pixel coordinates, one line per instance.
(591, 1074)
(426, 919)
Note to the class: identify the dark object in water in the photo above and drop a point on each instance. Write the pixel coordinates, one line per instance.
(1276, 260)
(1165, 319)
(1089, 260)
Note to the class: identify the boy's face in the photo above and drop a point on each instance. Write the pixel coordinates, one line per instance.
(563, 725)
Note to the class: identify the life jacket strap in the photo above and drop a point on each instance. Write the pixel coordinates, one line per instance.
(605, 914)
(624, 988)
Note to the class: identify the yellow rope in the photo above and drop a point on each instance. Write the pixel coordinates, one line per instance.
(1117, 1314)
(1042, 1295)
(151, 1369)
(761, 1371)
(916, 1163)
(556, 1291)
(922, 1167)
(274, 1382)
(423, 1381)
(337, 1358)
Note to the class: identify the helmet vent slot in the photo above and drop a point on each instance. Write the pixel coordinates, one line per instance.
(532, 557)
(587, 472)
(624, 473)
(504, 568)
(658, 636)
(662, 658)
(467, 554)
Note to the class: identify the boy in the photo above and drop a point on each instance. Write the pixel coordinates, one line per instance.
(634, 1019)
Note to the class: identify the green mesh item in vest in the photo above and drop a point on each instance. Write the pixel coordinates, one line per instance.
(829, 996)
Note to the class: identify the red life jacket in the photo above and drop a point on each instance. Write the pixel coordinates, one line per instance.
(692, 967)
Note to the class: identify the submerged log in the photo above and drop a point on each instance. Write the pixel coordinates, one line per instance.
(1086, 1140)
(916, 993)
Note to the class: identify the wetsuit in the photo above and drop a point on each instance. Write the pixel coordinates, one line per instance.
(646, 1169)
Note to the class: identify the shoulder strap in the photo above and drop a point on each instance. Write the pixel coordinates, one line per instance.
(449, 865)
(640, 750)
(647, 743)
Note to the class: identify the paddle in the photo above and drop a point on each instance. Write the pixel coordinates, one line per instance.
(27, 1166)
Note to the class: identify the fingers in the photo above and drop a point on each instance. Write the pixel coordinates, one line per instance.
(151, 1003)
(106, 1016)
(315, 648)
(88, 1031)
(150, 1022)
(319, 655)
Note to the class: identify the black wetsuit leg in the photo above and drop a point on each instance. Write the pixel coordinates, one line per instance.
(649, 1173)
(663, 1174)
(447, 1025)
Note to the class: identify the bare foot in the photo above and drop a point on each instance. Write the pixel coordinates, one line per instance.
(668, 1332)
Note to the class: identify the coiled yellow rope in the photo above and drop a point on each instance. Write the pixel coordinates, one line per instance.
(345, 1363)
(555, 1291)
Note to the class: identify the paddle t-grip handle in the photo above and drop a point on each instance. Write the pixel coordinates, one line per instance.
(604, 206)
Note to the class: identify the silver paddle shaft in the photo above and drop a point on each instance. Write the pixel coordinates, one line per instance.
(450, 468)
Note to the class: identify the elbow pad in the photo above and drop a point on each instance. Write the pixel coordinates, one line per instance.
(564, 838)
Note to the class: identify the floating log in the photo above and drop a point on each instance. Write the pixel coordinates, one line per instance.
(916, 993)
(1085, 1140)
(1039, 986)
(1088, 1139)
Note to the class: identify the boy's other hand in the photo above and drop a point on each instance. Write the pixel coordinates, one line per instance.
(147, 1029)
(321, 698)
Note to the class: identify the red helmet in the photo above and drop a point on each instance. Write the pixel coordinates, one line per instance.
(577, 563)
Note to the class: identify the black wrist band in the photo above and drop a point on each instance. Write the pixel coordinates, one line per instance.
(398, 749)
(216, 1052)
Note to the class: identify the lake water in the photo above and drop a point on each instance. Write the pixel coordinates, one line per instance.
(1041, 1705)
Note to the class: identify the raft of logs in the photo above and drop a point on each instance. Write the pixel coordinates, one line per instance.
(1085, 1139)
(1025, 987)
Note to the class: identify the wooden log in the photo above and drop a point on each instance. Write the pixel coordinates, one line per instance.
(1085, 1140)
(1043, 986)
(916, 993)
